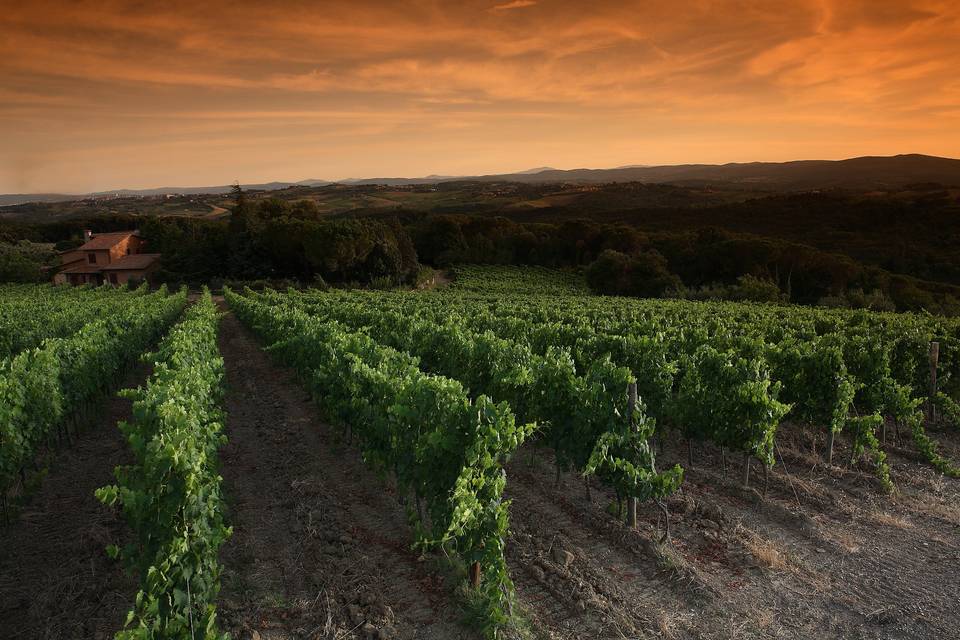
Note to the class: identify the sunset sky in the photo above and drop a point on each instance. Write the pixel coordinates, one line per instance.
(101, 95)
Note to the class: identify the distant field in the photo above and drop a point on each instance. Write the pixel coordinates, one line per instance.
(446, 198)
(191, 206)
(494, 279)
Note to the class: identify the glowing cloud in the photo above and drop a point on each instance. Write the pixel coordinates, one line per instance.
(121, 93)
(516, 4)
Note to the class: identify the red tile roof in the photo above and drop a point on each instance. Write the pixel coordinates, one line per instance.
(134, 261)
(103, 241)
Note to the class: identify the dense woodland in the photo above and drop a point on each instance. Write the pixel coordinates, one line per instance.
(837, 249)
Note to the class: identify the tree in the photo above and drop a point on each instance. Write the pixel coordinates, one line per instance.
(20, 264)
(755, 289)
(649, 277)
(645, 275)
(242, 232)
(608, 272)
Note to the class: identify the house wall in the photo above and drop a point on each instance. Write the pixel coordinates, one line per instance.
(84, 278)
(123, 277)
(67, 261)
(129, 245)
(102, 257)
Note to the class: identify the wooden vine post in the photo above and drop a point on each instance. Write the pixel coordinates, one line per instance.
(631, 404)
(475, 575)
(934, 358)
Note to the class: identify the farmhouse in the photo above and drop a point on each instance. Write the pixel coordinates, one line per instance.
(115, 257)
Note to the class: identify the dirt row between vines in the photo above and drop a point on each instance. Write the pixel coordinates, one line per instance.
(823, 555)
(321, 547)
(56, 580)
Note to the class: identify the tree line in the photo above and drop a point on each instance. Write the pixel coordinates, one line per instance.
(278, 239)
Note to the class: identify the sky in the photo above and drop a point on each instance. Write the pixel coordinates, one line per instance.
(112, 94)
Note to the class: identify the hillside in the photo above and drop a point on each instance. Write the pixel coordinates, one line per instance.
(908, 231)
(859, 174)
(855, 173)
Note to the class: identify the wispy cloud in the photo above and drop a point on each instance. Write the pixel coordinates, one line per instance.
(417, 86)
(516, 4)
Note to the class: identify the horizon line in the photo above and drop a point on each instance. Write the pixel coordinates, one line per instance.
(452, 177)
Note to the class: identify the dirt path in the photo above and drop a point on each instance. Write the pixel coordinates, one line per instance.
(215, 211)
(56, 580)
(320, 547)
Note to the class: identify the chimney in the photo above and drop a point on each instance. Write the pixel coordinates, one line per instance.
(87, 234)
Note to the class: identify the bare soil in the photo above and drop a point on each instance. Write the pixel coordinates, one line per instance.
(321, 547)
(824, 555)
(56, 580)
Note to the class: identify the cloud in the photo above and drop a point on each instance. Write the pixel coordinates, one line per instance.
(686, 81)
(516, 4)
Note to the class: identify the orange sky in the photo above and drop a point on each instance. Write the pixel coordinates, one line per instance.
(110, 94)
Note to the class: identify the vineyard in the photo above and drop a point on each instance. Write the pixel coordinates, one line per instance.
(56, 376)
(517, 280)
(504, 457)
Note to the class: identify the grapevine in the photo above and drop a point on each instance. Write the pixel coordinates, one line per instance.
(44, 387)
(171, 495)
(440, 445)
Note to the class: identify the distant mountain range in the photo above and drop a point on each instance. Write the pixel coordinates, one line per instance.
(20, 198)
(869, 172)
(865, 173)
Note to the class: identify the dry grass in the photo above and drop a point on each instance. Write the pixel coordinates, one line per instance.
(769, 554)
(843, 539)
(764, 550)
(919, 478)
(666, 624)
(675, 564)
(949, 511)
(765, 618)
(889, 520)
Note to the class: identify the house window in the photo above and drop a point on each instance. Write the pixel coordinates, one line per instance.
(113, 278)
(92, 258)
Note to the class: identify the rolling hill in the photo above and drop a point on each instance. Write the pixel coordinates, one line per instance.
(861, 174)
(866, 173)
